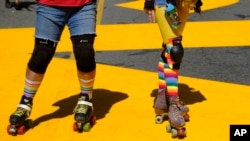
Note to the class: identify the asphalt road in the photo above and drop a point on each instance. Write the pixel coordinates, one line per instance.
(227, 64)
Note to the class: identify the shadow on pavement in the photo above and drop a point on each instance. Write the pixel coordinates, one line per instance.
(102, 100)
(187, 95)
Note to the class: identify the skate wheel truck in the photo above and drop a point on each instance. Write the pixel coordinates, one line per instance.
(86, 126)
(19, 129)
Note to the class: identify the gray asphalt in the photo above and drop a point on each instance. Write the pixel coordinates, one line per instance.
(226, 64)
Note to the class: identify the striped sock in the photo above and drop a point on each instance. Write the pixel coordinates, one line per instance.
(30, 89)
(171, 74)
(171, 77)
(161, 75)
(87, 87)
(160, 103)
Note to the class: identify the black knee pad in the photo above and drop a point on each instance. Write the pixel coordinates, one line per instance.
(42, 54)
(84, 52)
(177, 53)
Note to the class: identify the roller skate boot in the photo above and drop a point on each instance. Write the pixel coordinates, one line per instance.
(161, 107)
(84, 118)
(19, 123)
(184, 109)
(177, 115)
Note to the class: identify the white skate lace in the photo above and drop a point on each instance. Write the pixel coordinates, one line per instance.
(20, 112)
(22, 109)
(82, 106)
(81, 109)
(178, 103)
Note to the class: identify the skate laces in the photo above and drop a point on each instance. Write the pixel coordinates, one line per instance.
(177, 102)
(174, 109)
(176, 106)
(22, 110)
(82, 106)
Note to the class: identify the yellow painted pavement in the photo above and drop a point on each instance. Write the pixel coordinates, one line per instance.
(123, 103)
(143, 36)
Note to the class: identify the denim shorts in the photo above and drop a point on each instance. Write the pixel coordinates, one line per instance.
(161, 2)
(50, 21)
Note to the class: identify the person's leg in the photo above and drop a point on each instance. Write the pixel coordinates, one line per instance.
(47, 35)
(86, 70)
(160, 102)
(82, 26)
(170, 63)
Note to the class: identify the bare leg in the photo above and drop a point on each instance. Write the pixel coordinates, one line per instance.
(23, 111)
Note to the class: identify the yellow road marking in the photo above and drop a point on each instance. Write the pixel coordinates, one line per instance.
(124, 106)
(142, 36)
(99, 11)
